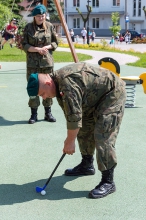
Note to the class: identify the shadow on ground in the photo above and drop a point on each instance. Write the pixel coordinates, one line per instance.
(4, 122)
(12, 193)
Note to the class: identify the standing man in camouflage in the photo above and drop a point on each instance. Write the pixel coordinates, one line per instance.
(39, 40)
(93, 101)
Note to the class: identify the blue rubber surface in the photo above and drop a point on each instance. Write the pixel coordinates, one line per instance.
(29, 154)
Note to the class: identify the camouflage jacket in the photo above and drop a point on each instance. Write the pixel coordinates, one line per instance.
(35, 36)
(82, 88)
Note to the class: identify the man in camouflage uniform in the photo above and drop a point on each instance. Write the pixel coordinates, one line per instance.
(93, 101)
(39, 40)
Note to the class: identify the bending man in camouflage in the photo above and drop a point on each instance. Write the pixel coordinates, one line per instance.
(93, 101)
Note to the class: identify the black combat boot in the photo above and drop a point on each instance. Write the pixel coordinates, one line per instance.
(48, 115)
(33, 117)
(105, 187)
(84, 168)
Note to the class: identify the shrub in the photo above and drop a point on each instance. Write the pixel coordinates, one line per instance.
(139, 41)
(104, 43)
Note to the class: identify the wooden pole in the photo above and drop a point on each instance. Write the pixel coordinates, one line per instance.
(63, 22)
(44, 2)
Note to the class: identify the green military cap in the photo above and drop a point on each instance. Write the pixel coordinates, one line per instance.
(33, 85)
(39, 10)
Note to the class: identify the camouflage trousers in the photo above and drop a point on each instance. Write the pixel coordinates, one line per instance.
(99, 131)
(34, 103)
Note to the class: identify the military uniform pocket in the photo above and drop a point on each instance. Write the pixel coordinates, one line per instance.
(72, 112)
(48, 38)
(107, 122)
(32, 40)
(46, 61)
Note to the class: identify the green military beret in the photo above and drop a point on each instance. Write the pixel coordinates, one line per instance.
(33, 85)
(39, 10)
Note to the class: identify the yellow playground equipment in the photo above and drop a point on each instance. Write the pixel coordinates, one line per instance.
(131, 81)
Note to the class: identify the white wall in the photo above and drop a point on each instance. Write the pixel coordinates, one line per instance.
(105, 19)
(139, 21)
(24, 14)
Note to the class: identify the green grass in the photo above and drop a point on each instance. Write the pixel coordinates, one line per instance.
(15, 55)
(139, 63)
(9, 54)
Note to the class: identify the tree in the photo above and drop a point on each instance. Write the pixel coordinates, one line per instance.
(13, 6)
(5, 15)
(89, 10)
(51, 8)
(9, 9)
(52, 11)
(115, 19)
(144, 9)
(34, 3)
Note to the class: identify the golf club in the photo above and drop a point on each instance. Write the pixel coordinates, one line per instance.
(39, 189)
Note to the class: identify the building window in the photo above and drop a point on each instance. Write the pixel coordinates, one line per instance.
(134, 7)
(76, 23)
(95, 23)
(116, 2)
(139, 8)
(95, 3)
(76, 3)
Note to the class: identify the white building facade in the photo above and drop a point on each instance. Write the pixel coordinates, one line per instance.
(100, 17)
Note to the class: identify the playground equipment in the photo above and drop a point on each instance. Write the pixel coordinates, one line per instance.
(131, 81)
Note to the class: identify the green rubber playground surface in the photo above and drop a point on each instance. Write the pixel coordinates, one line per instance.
(29, 153)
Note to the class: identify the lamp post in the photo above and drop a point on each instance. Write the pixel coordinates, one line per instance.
(126, 22)
(88, 24)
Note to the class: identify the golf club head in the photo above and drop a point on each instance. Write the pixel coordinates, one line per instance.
(38, 189)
